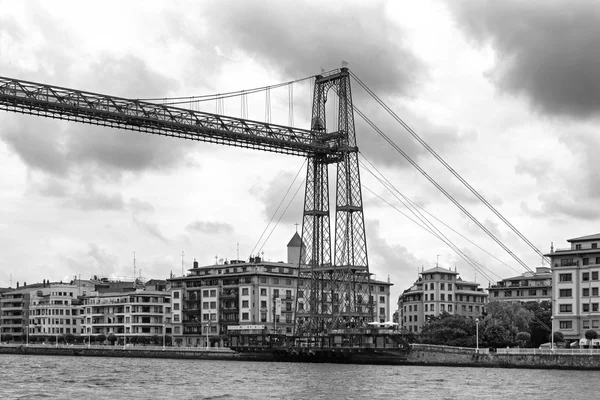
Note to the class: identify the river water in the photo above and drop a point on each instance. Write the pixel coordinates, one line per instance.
(55, 377)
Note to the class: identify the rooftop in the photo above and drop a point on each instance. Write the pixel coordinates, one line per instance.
(595, 236)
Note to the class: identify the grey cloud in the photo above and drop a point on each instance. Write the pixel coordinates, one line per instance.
(539, 169)
(95, 260)
(548, 51)
(297, 38)
(210, 227)
(272, 194)
(150, 229)
(137, 206)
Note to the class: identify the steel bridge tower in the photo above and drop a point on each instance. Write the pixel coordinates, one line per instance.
(332, 295)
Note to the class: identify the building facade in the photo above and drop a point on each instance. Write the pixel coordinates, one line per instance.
(536, 286)
(212, 300)
(437, 291)
(143, 313)
(576, 285)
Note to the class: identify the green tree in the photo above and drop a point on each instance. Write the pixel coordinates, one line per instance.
(156, 339)
(41, 339)
(558, 337)
(590, 335)
(100, 338)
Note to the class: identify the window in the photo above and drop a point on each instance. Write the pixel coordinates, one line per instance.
(288, 281)
(508, 293)
(382, 311)
(586, 261)
(245, 316)
(585, 292)
(532, 292)
(595, 324)
(263, 317)
(450, 297)
(263, 279)
(566, 308)
(594, 245)
(432, 307)
(213, 292)
(449, 286)
(415, 318)
(566, 325)
(425, 296)
(205, 305)
(176, 306)
(263, 304)
(449, 307)
(175, 295)
(263, 292)
(442, 286)
(442, 297)
(213, 304)
(586, 307)
(442, 307)
(426, 307)
(565, 293)
(431, 286)
(564, 277)
(175, 317)
(594, 307)
(586, 324)
(205, 293)
(594, 291)
(382, 299)
(595, 273)
(544, 292)
(577, 247)
(415, 308)
(382, 288)
(432, 297)
(566, 262)
(470, 308)
(276, 281)
(586, 275)
(245, 303)
(496, 294)
(245, 291)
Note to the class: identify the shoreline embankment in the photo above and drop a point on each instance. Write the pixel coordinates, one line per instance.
(421, 355)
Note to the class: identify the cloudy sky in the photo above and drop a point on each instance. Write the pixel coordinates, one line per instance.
(506, 92)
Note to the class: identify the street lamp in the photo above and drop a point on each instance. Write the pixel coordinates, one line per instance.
(163, 336)
(207, 329)
(477, 334)
(552, 332)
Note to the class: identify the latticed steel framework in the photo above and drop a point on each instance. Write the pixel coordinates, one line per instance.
(330, 295)
(333, 295)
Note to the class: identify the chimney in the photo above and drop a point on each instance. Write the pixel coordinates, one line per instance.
(17, 285)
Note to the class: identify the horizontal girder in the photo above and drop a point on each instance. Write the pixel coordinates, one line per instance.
(116, 112)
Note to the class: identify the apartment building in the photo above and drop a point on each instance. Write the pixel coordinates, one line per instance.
(212, 300)
(529, 286)
(142, 313)
(576, 285)
(437, 291)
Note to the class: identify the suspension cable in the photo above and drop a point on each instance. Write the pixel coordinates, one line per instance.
(413, 204)
(278, 207)
(448, 167)
(440, 188)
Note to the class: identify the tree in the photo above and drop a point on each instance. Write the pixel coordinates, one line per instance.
(155, 339)
(179, 341)
(523, 337)
(497, 336)
(41, 339)
(69, 338)
(558, 337)
(112, 339)
(100, 338)
(541, 325)
(450, 330)
(590, 335)
(512, 316)
(133, 340)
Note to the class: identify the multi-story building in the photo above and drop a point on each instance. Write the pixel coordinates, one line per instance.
(126, 314)
(54, 308)
(211, 300)
(576, 285)
(14, 310)
(530, 286)
(437, 291)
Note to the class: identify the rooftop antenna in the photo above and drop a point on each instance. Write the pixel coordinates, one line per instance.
(296, 227)
(437, 262)
(216, 260)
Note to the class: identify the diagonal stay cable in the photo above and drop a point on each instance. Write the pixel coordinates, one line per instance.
(448, 167)
(278, 207)
(440, 188)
